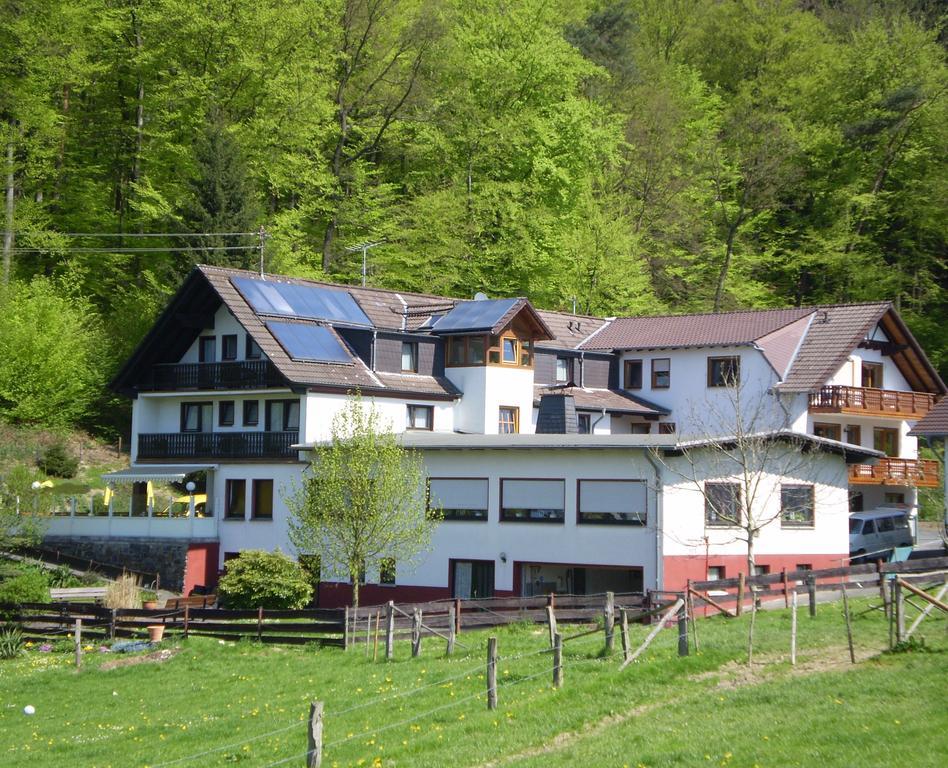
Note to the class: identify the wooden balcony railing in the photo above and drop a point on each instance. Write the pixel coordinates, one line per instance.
(922, 473)
(245, 374)
(218, 445)
(872, 402)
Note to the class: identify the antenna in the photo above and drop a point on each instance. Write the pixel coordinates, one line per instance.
(364, 247)
(262, 234)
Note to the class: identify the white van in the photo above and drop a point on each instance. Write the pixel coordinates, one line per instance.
(877, 532)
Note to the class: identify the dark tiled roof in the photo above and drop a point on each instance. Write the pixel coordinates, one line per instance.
(935, 423)
(613, 400)
(704, 330)
(569, 331)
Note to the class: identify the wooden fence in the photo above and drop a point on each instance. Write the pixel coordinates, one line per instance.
(52, 620)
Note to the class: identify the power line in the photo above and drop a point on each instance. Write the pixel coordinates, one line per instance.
(127, 249)
(141, 234)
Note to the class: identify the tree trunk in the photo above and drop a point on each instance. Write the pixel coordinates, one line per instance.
(8, 233)
(750, 554)
(355, 590)
(726, 265)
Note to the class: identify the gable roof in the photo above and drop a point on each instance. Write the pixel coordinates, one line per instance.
(934, 423)
(488, 316)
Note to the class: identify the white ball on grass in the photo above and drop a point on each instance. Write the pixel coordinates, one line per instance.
(29, 709)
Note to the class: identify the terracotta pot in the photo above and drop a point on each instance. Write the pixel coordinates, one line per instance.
(150, 605)
(156, 632)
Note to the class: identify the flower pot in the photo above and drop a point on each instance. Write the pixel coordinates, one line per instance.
(150, 605)
(156, 632)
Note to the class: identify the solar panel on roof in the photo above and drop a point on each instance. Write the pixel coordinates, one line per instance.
(312, 302)
(473, 316)
(309, 342)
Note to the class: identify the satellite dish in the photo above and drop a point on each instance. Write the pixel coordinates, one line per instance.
(480, 296)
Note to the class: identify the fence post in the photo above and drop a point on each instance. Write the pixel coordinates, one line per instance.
(187, 620)
(811, 593)
(78, 638)
(416, 633)
(740, 593)
(793, 629)
(345, 629)
(886, 608)
(899, 611)
(849, 626)
(390, 630)
(786, 592)
(557, 660)
(624, 618)
(375, 645)
(492, 673)
(551, 622)
(260, 624)
(451, 631)
(683, 627)
(112, 625)
(314, 737)
(690, 603)
(457, 615)
(610, 623)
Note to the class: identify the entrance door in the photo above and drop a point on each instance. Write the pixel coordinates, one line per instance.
(472, 578)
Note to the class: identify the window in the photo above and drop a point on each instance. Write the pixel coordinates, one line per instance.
(886, 440)
(761, 570)
(533, 501)
(283, 415)
(471, 579)
(410, 356)
(251, 413)
(562, 370)
(225, 413)
(856, 502)
(235, 494)
(196, 417)
(894, 498)
(420, 417)
(508, 420)
(229, 346)
(722, 504)
(475, 350)
(666, 428)
(584, 423)
(510, 350)
(828, 431)
(262, 506)
(459, 498)
(207, 349)
(456, 351)
(387, 570)
(661, 373)
(804, 567)
(638, 428)
(252, 350)
(872, 375)
(724, 371)
(633, 374)
(715, 572)
(853, 434)
(611, 502)
(796, 505)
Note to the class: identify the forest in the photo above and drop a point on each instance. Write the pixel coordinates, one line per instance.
(612, 156)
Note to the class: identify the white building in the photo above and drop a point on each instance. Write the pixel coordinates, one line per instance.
(241, 371)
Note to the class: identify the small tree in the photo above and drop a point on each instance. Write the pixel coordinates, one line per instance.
(20, 507)
(362, 499)
(258, 579)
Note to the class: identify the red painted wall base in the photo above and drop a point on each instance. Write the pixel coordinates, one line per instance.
(680, 568)
(338, 594)
(200, 568)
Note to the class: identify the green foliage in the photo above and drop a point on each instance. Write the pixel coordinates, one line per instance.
(257, 579)
(49, 345)
(30, 586)
(56, 461)
(11, 641)
(61, 577)
(17, 498)
(362, 501)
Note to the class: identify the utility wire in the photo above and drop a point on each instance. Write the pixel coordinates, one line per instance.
(133, 249)
(141, 234)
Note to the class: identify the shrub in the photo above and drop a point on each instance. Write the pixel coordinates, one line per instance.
(11, 641)
(56, 461)
(264, 579)
(123, 593)
(62, 577)
(30, 586)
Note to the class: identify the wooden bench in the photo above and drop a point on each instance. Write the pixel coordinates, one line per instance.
(194, 601)
(77, 594)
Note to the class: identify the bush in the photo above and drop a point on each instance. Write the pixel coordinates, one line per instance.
(31, 586)
(56, 461)
(11, 641)
(264, 579)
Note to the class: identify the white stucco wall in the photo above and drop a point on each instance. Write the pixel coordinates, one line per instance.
(224, 324)
(486, 388)
(322, 408)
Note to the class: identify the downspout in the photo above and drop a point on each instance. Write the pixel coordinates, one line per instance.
(659, 519)
(592, 427)
(582, 369)
(372, 350)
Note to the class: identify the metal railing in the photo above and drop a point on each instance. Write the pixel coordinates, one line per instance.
(217, 445)
(873, 402)
(245, 374)
(923, 473)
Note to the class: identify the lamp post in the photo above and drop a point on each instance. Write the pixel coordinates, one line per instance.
(190, 486)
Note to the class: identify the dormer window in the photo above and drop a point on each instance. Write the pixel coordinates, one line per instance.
(493, 350)
(562, 370)
(510, 350)
(409, 356)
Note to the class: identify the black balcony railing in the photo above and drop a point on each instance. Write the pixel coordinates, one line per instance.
(218, 445)
(246, 374)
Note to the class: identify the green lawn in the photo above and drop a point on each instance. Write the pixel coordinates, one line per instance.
(707, 709)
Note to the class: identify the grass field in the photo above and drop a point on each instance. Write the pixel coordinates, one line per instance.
(211, 703)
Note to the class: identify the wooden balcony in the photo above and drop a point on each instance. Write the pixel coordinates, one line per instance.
(872, 402)
(244, 374)
(921, 473)
(218, 445)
